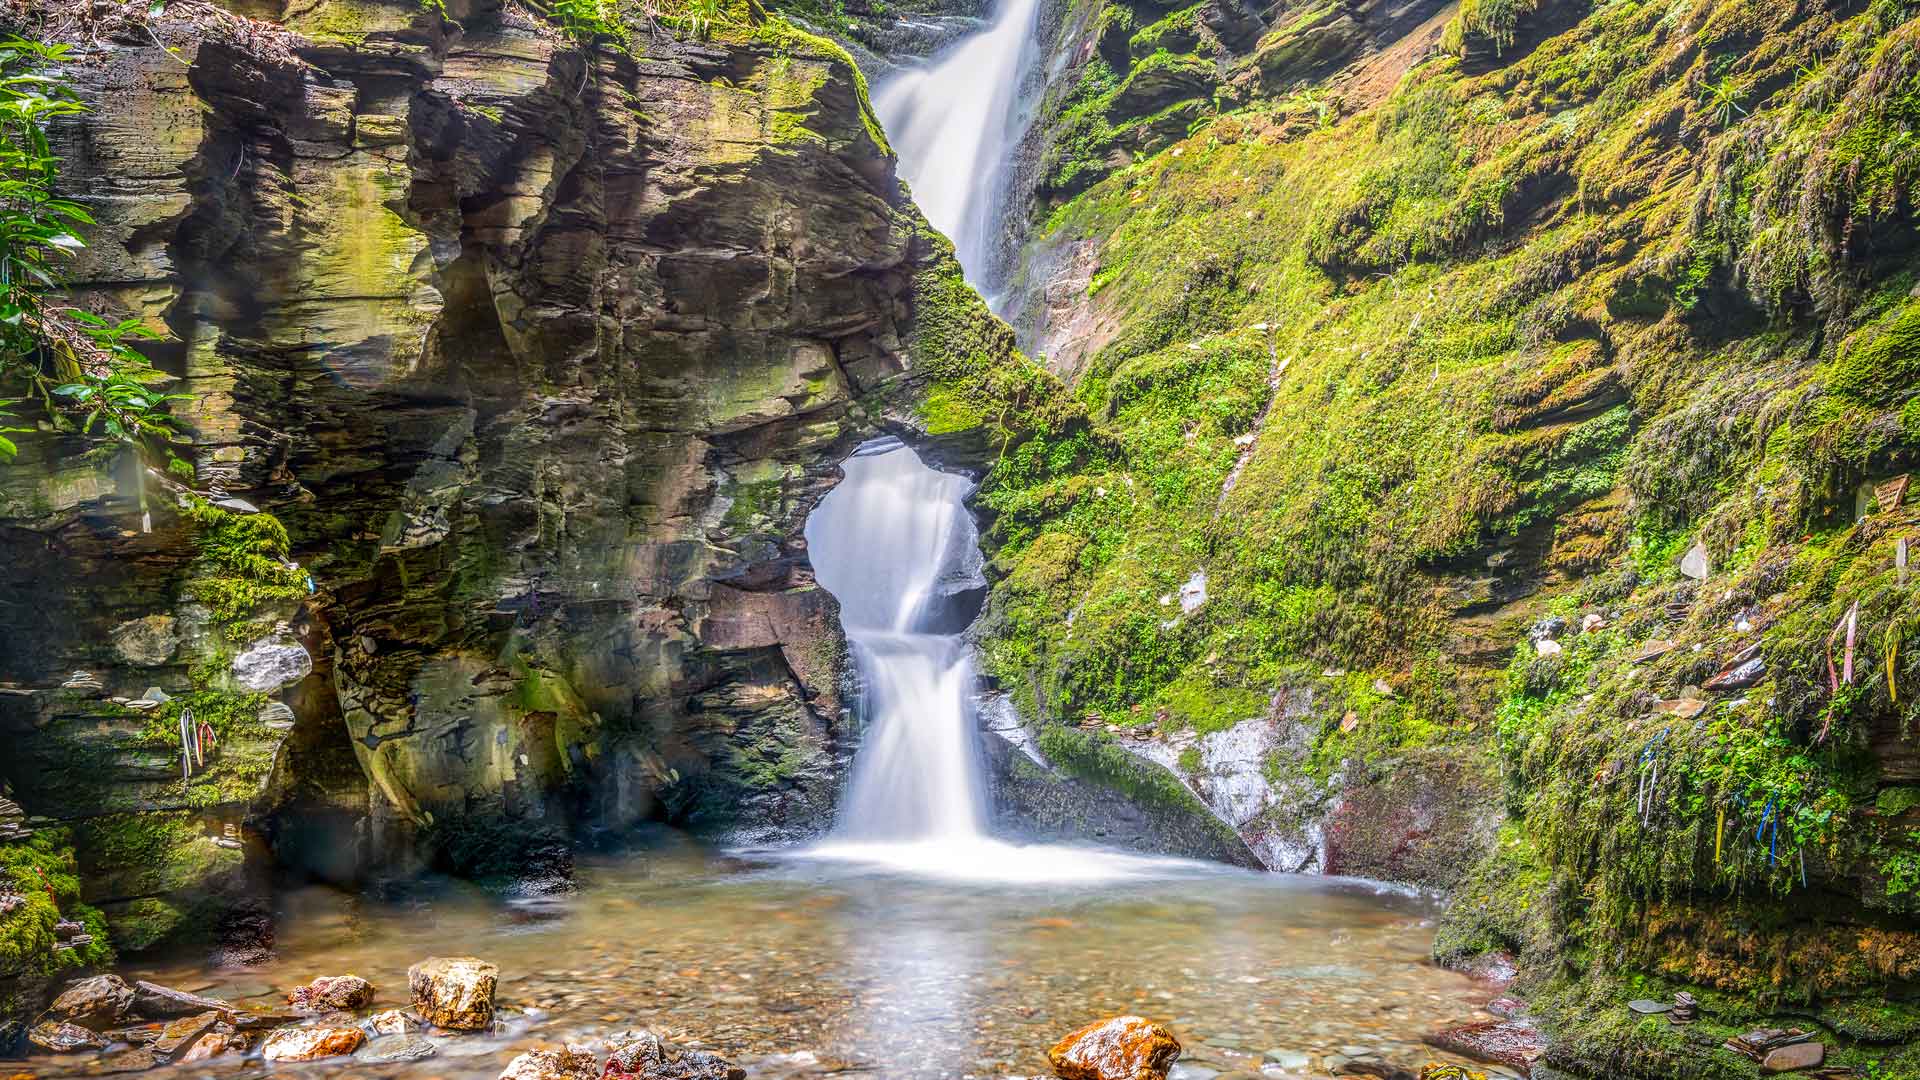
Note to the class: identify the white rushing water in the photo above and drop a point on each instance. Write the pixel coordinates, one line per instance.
(954, 122)
(882, 543)
(893, 543)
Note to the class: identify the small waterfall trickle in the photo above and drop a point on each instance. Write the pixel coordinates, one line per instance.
(889, 543)
(954, 122)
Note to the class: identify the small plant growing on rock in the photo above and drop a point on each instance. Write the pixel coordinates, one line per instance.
(89, 379)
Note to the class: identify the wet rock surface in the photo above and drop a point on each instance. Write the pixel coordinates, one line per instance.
(332, 993)
(311, 1043)
(566, 1063)
(1514, 1043)
(96, 1002)
(1118, 1048)
(60, 1037)
(455, 993)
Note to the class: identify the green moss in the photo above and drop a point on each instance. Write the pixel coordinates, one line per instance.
(1494, 21)
(42, 870)
(944, 412)
(1094, 758)
(1501, 906)
(149, 922)
(1882, 366)
(242, 562)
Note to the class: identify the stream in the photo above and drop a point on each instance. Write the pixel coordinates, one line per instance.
(799, 967)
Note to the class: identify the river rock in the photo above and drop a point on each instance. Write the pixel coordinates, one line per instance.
(1117, 1048)
(271, 663)
(212, 1045)
(1516, 1044)
(60, 1037)
(1794, 1057)
(1290, 1060)
(454, 992)
(180, 1036)
(568, 1063)
(164, 1002)
(311, 1043)
(332, 993)
(634, 1052)
(95, 1003)
(398, 1048)
(390, 1022)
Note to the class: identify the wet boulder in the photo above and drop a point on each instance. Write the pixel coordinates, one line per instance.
(96, 1003)
(212, 1045)
(332, 993)
(311, 1043)
(634, 1052)
(180, 1036)
(454, 992)
(390, 1022)
(640, 1055)
(392, 1048)
(1117, 1048)
(60, 1037)
(164, 1002)
(270, 663)
(1516, 1044)
(567, 1063)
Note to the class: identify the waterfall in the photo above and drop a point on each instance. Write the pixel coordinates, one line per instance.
(889, 543)
(895, 545)
(954, 121)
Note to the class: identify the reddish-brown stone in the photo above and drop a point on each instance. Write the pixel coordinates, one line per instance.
(1514, 1043)
(311, 1043)
(332, 993)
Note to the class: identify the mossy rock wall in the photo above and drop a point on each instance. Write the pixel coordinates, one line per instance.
(539, 351)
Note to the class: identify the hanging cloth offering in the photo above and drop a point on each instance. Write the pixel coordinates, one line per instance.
(186, 745)
(1848, 625)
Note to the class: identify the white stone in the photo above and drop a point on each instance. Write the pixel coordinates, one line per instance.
(1547, 647)
(1193, 593)
(269, 664)
(1695, 563)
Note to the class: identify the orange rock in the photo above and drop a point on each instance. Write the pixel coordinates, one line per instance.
(1117, 1048)
(311, 1043)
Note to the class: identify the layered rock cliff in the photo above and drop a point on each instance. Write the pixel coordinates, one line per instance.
(516, 359)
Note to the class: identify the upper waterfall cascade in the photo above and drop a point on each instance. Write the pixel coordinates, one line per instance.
(954, 122)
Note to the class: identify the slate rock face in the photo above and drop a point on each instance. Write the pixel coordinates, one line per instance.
(541, 370)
